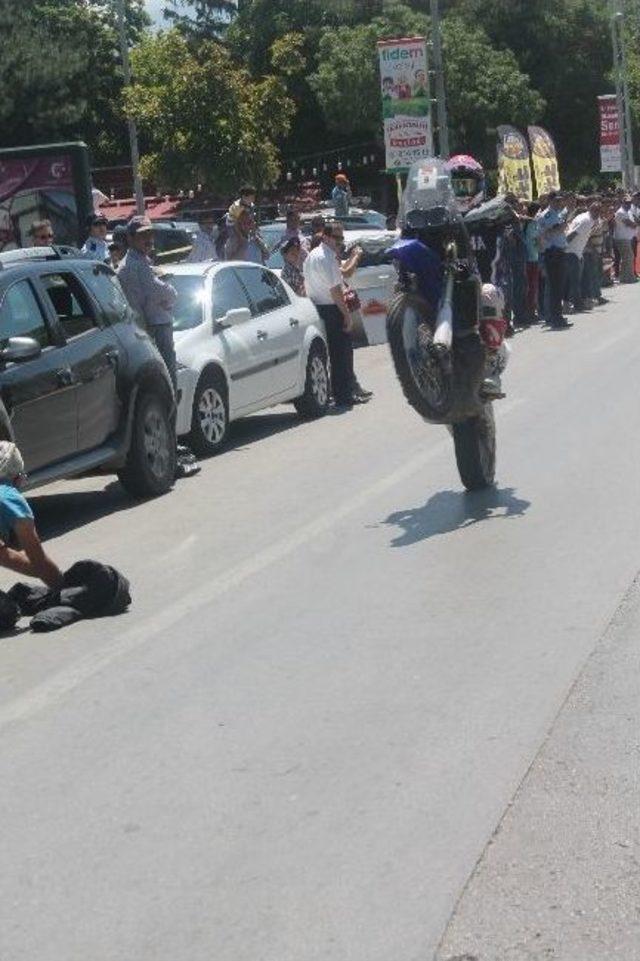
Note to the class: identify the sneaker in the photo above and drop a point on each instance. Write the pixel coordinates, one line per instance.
(491, 388)
(362, 393)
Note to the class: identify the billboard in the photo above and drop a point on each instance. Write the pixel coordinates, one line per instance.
(406, 103)
(544, 159)
(610, 152)
(46, 181)
(514, 170)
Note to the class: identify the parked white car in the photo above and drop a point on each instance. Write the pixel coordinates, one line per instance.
(374, 280)
(244, 342)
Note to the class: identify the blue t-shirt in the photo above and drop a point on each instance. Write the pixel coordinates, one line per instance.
(13, 507)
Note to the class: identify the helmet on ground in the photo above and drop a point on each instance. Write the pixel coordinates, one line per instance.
(467, 178)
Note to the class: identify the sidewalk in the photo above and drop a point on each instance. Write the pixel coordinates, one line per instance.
(561, 878)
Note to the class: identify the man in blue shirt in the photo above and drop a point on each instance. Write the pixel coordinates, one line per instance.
(21, 549)
(553, 243)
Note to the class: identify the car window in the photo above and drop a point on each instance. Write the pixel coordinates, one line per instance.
(189, 309)
(20, 315)
(105, 287)
(265, 290)
(273, 235)
(70, 303)
(228, 293)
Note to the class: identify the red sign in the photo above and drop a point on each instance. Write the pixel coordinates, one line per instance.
(609, 134)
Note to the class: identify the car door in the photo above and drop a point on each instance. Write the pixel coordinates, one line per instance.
(92, 355)
(39, 394)
(278, 330)
(239, 345)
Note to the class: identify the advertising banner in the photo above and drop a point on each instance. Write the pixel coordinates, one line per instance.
(406, 104)
(610, 153)
(545, 160)
(514, 171)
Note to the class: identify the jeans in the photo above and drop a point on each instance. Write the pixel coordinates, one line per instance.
(592, 275)
(625, 253)
(573, 279)
(533, 285)
(162, 336)
(554, 264)
(340, 353)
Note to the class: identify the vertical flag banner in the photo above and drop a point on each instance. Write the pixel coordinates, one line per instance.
(610, 152)
(514, 171)
(406, 104)
(544, 159)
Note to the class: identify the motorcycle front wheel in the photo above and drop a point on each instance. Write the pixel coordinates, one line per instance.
(475, 445)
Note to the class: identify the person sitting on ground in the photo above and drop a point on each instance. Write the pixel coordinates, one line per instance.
(96, 246)
(292, 270)
(41, 233)
(204, 245)
(21, 549)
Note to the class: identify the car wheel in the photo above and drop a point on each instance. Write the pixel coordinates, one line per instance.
(315, 400)
(150, 469)
(210, 417)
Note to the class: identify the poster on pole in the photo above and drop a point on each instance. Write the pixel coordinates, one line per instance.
(406, 103)
(514, 170)
(610, 152)
(544, 160)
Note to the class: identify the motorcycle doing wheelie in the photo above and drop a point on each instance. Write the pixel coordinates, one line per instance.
(444, 327)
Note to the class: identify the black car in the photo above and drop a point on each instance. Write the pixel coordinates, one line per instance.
(82, 387)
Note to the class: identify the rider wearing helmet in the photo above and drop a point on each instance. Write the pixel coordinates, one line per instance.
(469, 188)
(468, 180)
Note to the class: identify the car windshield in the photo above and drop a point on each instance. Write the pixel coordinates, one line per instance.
(272, 235)
(189, 310)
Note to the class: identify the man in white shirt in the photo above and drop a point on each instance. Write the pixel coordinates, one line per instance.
(204, 247)
(624, 231)
(324, 286)
(577, 237)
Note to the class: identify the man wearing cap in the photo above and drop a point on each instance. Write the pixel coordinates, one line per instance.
(624, 232)
(21, 549)
(204, 246)
(96, 246)
(151, 297)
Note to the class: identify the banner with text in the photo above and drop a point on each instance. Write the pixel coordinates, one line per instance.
(514, 170)
(544, 160)
(406, 104)
(610, 152)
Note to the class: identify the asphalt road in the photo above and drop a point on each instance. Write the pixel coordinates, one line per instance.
(336, 672)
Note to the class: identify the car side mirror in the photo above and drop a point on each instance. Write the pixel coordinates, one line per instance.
(19, 349)
(239, 315)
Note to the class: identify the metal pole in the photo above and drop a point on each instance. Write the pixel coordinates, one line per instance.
(622, 93)
(438, 69)
(133, 133)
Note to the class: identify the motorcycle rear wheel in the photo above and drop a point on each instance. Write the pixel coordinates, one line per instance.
(475, 445)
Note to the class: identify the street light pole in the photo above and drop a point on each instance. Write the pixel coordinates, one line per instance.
(622, 93)
(133, 133)
(438, 70)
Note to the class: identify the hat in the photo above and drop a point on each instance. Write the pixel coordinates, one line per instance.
(139, 225)
(11, 463)
(289, 243)
(94, 219)
(119, 236)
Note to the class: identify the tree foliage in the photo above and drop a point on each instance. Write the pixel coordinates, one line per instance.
(207, 122)
(201, 19)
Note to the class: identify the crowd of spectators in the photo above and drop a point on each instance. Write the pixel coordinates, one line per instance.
(563, 249)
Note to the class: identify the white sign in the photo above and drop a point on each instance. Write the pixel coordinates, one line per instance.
(406, 104)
